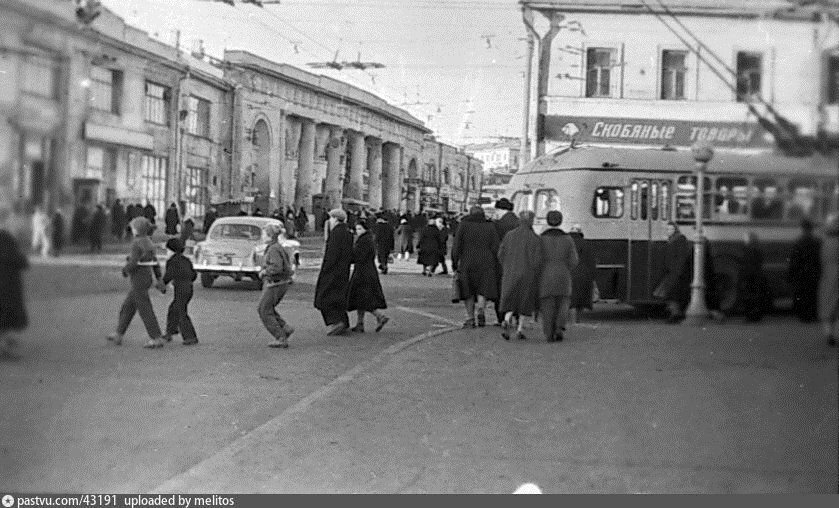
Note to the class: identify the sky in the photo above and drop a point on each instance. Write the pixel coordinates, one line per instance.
(457, 65)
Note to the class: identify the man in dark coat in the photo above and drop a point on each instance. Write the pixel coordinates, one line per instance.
(559, 258)
(753, 289)
(150, 212)
(209, 218)
(172, 218)
(583, 275)
(13, 316)
(503, 225)
(97, 229)
(474, 258)
(79, 224)
(333, 280)
(520, 256)
(429, 247)
(385, 242)
(804, 272)
(57, 233)
(117, 220)
(674, 287)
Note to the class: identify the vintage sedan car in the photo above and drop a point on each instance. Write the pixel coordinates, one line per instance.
(235, 247)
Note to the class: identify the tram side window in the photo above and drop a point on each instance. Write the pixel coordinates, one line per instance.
(665, 200)
(607, 202)
(686, 198)
(767, 203)
(633, 201)
(802, 198)
(523, 201)
(645, 199)
(731, 201)
(654, 201)
(546, 200)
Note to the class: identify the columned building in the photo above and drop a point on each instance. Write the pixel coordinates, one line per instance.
(312, 142)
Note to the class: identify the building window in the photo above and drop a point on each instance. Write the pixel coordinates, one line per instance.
(198, 118)
(447, 177)
(40, 77)
(833, 80)
(673, 74)
(195, 189)
(157, 104)
(100, 162)
(153, 181)
(105, 89)
(599, 63)
(749, 75)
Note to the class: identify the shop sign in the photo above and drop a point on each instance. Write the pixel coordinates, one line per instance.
(655, 132)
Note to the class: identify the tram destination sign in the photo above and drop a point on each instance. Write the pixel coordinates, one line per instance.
(592, 129)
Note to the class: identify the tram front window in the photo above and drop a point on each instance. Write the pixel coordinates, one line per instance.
(546, 200)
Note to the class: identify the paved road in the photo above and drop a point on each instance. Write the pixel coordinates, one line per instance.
(624, 405)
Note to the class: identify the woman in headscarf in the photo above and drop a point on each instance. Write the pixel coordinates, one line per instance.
(143, 270)
(365, 294)
(474, 258)
(559, 259)
(333, 280)
(582, 287)
(13, 318)
(829, 282)
(520, 257)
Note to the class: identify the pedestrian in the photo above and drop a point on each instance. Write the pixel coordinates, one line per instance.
(429, 248)
(117, 220)
(57, 233)
(276, 276)
(79, 224)
(172, 218)
(131, 212)
(290, 226)
(180, 273)
(753, 287)
(582, 286)
(97, 228)
(150, 213)
(475, 258)
(302, 221)
(209, 217)
(40, 231)
(559, 260)
(829, 282)
(365, 294)
(520, 257)
(503, 225)
(143, 270)
(804, 273)
(333, 280)
(405, 236)
(187, 229)
(13, 317)
(384, 242)
(444, 242)
(674, 287)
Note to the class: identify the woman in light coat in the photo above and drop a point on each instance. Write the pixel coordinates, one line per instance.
(829, 282)
(559, 259)
(520, 257)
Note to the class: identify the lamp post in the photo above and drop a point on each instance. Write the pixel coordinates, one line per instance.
(697, 312)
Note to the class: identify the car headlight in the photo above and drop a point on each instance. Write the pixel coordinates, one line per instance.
(196, 253)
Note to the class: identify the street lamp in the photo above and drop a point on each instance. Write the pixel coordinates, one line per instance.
(697, 312)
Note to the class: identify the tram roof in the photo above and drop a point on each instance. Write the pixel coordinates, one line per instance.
(638, 159)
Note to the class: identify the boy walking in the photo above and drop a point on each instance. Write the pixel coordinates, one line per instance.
(276, 276)
(180, 273)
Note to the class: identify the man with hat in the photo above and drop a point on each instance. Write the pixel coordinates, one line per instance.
(503, 225)
(333, 280)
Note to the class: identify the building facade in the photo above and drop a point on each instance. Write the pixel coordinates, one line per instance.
(654, 74)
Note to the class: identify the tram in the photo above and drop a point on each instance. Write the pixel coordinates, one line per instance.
(622, 198)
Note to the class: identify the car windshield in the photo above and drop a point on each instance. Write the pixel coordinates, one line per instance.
(236, 232)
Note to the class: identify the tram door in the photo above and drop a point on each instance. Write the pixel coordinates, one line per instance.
(648, 210)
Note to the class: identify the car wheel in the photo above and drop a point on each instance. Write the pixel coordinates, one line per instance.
(207, 280)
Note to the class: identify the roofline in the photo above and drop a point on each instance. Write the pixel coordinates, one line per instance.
(248, 60)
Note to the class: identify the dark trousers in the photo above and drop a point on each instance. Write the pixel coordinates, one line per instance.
(335, 316)
(443, 263)
(177, 319)
(383, 255)
(271, 297)
(136, 301)
(553, 311)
